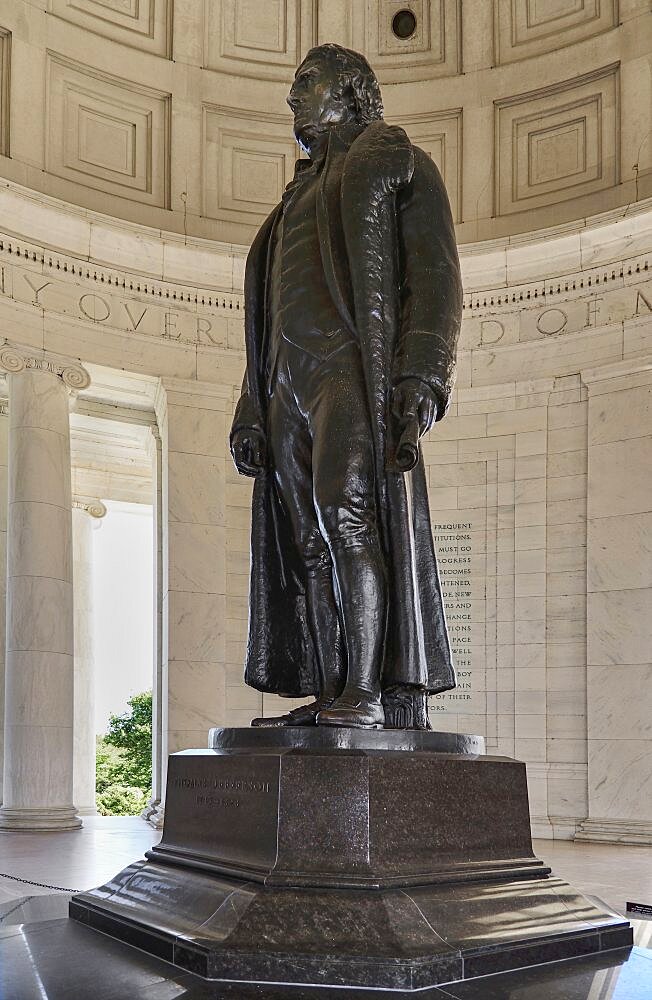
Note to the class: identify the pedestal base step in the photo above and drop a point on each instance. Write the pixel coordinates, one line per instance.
(227, 930)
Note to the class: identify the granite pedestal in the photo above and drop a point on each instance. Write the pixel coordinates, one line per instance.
(345, 858)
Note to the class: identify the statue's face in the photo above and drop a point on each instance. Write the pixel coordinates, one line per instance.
(318, 102)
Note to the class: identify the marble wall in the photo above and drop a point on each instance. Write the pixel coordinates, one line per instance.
(194, 526)
(509, 464)
(3, 569)
(619, 600)
(539, 481)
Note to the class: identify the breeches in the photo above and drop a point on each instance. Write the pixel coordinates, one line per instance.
(319, 435)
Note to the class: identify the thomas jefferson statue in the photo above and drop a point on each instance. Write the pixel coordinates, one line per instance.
(352, 314)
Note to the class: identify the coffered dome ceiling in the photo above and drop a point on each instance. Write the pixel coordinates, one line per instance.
(171, 113)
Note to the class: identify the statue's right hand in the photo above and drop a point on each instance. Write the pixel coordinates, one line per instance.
(248, 451)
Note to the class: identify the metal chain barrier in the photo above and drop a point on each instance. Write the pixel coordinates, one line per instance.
(41, 885)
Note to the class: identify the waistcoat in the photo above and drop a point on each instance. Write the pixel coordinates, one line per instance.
(301, 308)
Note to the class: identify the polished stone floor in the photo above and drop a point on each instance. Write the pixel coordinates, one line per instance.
(44, 956)
(73, 860)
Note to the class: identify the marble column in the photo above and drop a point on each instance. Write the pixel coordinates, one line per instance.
(619, 602)
(153, 811)
(38, 765)
(86, 517)
(4, 427)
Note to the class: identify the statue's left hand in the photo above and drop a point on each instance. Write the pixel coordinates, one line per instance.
(414, 399)
(248, 451)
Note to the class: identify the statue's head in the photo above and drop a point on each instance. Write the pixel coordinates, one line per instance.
(332, 86)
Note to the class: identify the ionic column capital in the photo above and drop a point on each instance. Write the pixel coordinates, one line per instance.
(14, 360)
(94, 508)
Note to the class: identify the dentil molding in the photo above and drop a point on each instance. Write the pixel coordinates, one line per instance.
(108, 251)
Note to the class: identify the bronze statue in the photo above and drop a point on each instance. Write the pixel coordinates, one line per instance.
(352, 313)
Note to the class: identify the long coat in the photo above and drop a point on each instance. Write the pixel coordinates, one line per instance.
(390, 261)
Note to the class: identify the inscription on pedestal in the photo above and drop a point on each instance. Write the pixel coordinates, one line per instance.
(222, 807)
(209, 792)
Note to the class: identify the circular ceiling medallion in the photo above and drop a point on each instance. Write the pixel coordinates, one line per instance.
(404, 24)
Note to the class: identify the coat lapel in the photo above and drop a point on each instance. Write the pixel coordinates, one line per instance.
(331, 236)
(256, 303)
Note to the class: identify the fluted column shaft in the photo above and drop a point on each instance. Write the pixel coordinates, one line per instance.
(38, 765)
(86, 516)
(4, 433)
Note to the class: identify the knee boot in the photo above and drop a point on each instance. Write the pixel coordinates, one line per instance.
(362, 594)
(324, 624)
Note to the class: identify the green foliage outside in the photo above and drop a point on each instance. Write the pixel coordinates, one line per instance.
(124, 760)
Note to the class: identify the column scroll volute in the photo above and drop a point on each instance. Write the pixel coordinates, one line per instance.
(72, 374)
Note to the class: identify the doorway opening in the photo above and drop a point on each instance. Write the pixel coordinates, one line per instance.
(115, 549)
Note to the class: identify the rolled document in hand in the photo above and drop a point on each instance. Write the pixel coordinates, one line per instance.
(407, 449)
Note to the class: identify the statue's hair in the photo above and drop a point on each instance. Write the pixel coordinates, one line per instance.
(354, 71)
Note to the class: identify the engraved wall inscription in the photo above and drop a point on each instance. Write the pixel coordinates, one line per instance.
(453, 540)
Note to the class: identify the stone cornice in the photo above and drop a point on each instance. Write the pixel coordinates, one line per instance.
(636, 367)
(166, 267)
(571, 285)
(115, 412)
(491, 288)
(72, 374)
(98, 276)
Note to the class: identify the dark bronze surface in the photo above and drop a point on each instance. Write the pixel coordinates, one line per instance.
(323, 738)
(353, 306)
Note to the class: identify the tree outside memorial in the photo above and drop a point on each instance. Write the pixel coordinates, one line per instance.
(124, 760)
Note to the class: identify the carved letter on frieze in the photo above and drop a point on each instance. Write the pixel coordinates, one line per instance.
(641, 298)
(36, 289)
(551, 322)
(592, 309)
(135, 322)
(491, 331)
(96, 306)
(171, 330)
(204, 327)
